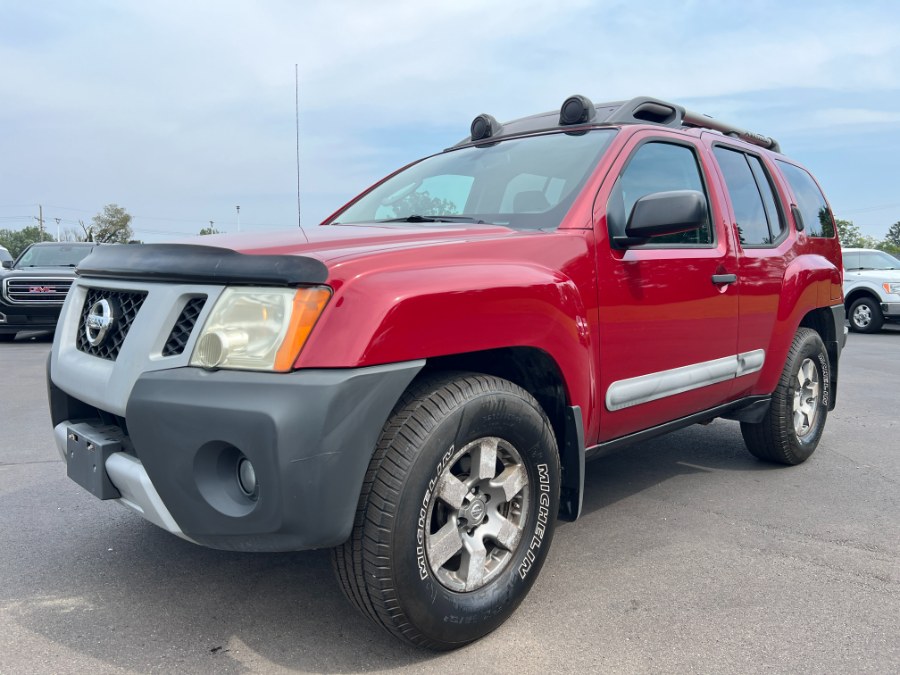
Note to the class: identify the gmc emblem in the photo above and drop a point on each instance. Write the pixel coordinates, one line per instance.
(40, 289)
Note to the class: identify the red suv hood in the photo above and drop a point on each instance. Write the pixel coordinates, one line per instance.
(330, 243)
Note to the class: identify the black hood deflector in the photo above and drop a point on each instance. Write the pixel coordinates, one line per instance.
(187, 263)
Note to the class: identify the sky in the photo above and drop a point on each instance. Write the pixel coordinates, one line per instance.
(182, 111)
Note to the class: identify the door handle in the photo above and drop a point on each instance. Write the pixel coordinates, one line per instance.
(721, 279)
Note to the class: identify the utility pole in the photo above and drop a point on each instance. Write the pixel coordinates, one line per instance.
(57, 228)
(40, 220)
(238, 209)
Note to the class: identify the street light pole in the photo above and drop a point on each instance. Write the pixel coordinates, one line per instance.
(238, 209)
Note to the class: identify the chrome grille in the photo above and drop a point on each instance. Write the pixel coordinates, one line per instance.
(181, 331)
(127, 304)
(43, 291)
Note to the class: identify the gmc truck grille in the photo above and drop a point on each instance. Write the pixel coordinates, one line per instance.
(183, 327)
(127, 304)
(38, 291)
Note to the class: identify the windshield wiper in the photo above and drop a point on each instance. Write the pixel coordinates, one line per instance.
(416, 218)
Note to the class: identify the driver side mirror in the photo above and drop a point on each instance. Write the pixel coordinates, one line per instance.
(661, 213)
(7, 264)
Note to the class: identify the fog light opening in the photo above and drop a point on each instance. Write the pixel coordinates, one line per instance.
(246, 478)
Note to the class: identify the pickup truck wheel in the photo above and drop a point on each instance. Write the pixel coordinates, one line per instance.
(865, 316)
(792, 427)
(457, 511)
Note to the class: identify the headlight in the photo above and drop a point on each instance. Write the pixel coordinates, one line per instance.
(259, 328)
(891, 287)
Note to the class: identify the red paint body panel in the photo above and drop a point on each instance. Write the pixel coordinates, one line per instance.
(438, 299)
(603, 315)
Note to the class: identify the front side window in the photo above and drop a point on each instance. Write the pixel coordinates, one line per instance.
(813, 209)
(523, 183)
(657, 167)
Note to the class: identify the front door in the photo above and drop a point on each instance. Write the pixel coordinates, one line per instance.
(668, 310)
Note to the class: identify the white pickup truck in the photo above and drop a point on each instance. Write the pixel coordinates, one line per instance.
(871, 288)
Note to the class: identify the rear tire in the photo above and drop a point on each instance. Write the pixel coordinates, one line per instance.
(457, 511)
(791, 429)
(865, 316)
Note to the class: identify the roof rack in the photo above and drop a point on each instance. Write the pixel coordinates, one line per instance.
(639, 110)
(643, 109)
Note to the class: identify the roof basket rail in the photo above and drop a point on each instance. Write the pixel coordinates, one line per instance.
(644, 109)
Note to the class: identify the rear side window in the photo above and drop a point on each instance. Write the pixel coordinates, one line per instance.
(756, 212)
(814, 212)
(657, 167)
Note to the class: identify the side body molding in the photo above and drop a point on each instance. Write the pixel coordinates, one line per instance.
(653, 386)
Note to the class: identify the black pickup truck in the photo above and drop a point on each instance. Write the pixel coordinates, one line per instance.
(33, 290)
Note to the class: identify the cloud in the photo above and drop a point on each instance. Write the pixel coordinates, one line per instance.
(183, 108)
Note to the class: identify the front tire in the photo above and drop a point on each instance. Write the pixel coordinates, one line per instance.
(457, 511)
(866, 316)
(791, 429)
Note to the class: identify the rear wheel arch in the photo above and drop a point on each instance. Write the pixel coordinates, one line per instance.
(822, 321)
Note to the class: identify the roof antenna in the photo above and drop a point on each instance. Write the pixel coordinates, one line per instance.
(297, 125)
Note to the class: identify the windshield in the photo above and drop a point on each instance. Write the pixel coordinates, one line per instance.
(523, 183)
(53, 256)
(870, 260)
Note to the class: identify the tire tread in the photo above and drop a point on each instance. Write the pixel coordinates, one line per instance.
(772, 439)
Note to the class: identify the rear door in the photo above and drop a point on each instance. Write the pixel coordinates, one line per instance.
(765, 246)
(668, 312)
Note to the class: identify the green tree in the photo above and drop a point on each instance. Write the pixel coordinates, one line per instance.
(17, 241)
(852, 237)
(891, 241)
(111, 226)
(209, 230)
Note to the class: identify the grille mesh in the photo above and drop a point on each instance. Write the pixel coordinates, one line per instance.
(127, 304)
(181, 331)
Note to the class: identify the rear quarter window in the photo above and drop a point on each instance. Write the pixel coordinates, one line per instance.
(813, 209)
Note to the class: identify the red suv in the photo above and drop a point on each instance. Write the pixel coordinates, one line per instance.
(418, 382)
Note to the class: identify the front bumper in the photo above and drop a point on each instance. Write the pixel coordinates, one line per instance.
(891, 310)
(309, 435)
(21, 318)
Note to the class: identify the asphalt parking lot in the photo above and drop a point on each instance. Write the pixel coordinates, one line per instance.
(691, 557)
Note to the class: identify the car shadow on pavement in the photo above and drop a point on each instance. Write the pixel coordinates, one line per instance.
(637, 468)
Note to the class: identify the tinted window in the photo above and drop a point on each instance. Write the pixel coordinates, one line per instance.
(755, 209)
(764, 182)
(811, 204)
(657, 167)
(851, 260)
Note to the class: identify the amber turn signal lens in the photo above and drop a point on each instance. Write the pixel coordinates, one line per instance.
(308, 305)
